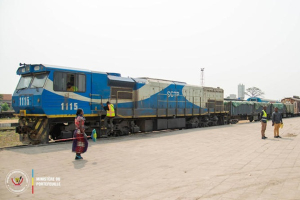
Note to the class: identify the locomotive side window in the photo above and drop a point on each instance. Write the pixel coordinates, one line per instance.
(60, 81)
(81, 82)
(69, 82)
(123, 93)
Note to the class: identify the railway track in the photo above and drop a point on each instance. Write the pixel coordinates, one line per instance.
(11, 126)
(8, 126)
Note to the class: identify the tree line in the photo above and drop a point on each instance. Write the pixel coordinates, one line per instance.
(4, 106)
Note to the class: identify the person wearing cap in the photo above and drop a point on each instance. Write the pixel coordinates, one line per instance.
(276, 122)
(263, 121)
(110, 114)
(69, 87)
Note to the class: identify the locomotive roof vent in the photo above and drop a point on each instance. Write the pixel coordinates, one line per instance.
(113, 74)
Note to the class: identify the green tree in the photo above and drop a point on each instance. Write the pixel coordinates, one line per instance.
(1, 96)
(5, 107)
(254, 92)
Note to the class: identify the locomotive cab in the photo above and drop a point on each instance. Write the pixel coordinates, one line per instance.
(27, 100)
(28, 93)
(47, 96)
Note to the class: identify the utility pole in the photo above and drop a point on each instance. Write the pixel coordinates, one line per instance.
(202, 77)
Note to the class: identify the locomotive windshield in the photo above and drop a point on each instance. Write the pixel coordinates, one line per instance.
(39, 81)
(24, 82)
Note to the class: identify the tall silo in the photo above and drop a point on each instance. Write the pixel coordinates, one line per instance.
(241, 91)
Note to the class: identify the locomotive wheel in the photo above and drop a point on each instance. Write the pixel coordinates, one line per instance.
(55, 131)
(251, 119)
(125, 130)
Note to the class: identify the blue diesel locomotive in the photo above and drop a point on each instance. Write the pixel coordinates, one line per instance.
(47, 97)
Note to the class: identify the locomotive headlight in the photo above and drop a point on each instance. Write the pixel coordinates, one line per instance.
(38, 100)
(36, 68)
(23, 70)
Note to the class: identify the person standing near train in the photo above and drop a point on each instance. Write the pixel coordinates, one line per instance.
(263, 121)
(110, 114)
(276, 122)
(80, 143)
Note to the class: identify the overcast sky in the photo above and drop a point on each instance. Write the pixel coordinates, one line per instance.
(255, 42)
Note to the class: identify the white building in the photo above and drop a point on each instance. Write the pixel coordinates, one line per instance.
(241, 91)
(232, 96)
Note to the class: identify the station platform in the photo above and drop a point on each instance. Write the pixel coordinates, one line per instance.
(222, 162)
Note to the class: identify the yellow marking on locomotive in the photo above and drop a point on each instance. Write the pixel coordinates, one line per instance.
(96, 115)
(136, 117)
(219, 112)
(23, 113)
(123, 116)
(38, 124)
(44, 125)
(40, 131)
(58, 116)
(148, 116)
(31, 115)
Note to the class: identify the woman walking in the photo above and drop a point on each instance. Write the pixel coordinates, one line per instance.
(80, 144)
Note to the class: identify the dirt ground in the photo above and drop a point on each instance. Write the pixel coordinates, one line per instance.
(9, 139)
(221, 162)
(8, 120)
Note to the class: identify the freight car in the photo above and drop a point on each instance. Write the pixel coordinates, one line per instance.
(295, 100)
(248, 110)
(46, 107)
(257, 99)
(245, 110)
(7, 114)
